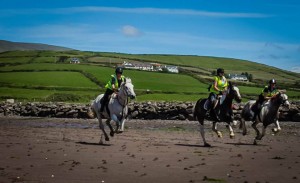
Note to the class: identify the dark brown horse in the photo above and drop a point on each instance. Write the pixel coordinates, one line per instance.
(224, 112)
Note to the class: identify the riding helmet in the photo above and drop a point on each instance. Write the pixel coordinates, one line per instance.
(272, 81)
(119, 70)
(220, 70)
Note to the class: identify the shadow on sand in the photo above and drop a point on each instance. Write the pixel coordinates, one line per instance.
(192, 145)
(92, 143)
(244, 144)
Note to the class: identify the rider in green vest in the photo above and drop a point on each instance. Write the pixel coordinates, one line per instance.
(267, 93)
(217, 88)
(112, 86)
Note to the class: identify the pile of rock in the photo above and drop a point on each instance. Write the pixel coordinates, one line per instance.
(143, 110)
(58, 110)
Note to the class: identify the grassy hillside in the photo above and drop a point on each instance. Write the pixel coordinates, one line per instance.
(13, 46)
(48, 76)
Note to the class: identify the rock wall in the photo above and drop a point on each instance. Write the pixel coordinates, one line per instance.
(144, 110)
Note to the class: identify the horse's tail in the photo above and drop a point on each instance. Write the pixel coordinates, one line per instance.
(91, 111)
(195, 109)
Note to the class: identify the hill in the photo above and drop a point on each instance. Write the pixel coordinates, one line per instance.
(13, 46)
(49, 76)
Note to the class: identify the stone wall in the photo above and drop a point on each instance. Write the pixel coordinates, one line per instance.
(144, 110)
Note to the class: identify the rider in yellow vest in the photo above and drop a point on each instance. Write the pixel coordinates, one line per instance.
(267, 93)
(112, 86)
(217, 88)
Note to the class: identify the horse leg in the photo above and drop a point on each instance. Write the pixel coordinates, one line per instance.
(122, 125)
(203, 135)
(277, 128)
(243, 126)
(214, 128)
(110, 127)
(263, 132)
(115, 118)
(254, 126)
(230, 130)
(101, 126)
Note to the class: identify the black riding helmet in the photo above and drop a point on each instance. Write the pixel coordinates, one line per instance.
(119, 70)
(220, 70)
(272, 81)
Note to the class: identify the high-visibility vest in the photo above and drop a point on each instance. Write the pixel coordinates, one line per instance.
(221, 83)
(270, 93)
(109, 85)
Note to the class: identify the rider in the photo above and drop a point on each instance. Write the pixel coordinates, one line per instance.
(112, 86)
(267, 93)
(220, 84)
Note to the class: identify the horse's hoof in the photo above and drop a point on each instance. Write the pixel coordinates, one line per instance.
(258, 138)
(207, 145)
(255, 142)
(231, 136)
(244, 133)
(275, 130)
(219, 134)
(112, 134)
(119, 132)
(106, 139)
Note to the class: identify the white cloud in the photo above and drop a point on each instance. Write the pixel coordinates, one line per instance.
(91, 9)
(130, 31)
(296, 69)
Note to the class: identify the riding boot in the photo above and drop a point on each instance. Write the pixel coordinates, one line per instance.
(102, 107)
(103, 103)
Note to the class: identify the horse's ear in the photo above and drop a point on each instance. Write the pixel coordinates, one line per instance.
(282, 91)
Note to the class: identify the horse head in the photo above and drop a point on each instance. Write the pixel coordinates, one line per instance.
(127, 89)
(282, 99)
(233, 92)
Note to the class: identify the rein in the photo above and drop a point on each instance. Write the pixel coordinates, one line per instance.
(126, 99)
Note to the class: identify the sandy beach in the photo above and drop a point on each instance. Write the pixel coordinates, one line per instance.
(67, 150)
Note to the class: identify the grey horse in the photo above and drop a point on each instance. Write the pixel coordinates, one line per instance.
(117, 109)
(268, 114)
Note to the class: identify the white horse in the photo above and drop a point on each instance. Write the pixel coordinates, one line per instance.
(268, 114)
(117, 109)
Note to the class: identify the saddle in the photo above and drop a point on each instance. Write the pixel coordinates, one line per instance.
(112, 96)
(219, 100)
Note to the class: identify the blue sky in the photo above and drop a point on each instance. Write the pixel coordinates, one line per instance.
(262, 31)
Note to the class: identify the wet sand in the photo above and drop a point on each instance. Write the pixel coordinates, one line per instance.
(67, 150)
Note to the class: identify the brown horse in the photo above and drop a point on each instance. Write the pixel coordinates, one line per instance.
(224, 112)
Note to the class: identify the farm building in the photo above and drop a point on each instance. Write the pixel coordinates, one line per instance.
(238, 77)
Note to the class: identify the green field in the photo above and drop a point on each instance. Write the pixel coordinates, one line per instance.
(36, 75)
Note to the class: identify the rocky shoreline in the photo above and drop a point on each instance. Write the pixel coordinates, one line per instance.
(137, 110)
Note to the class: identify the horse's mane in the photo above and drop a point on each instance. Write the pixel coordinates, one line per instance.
(128, 80)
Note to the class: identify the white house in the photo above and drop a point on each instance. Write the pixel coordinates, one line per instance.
(238, 77)
(172, 68)
(138, 66)
(149, 67)
(74, 61)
